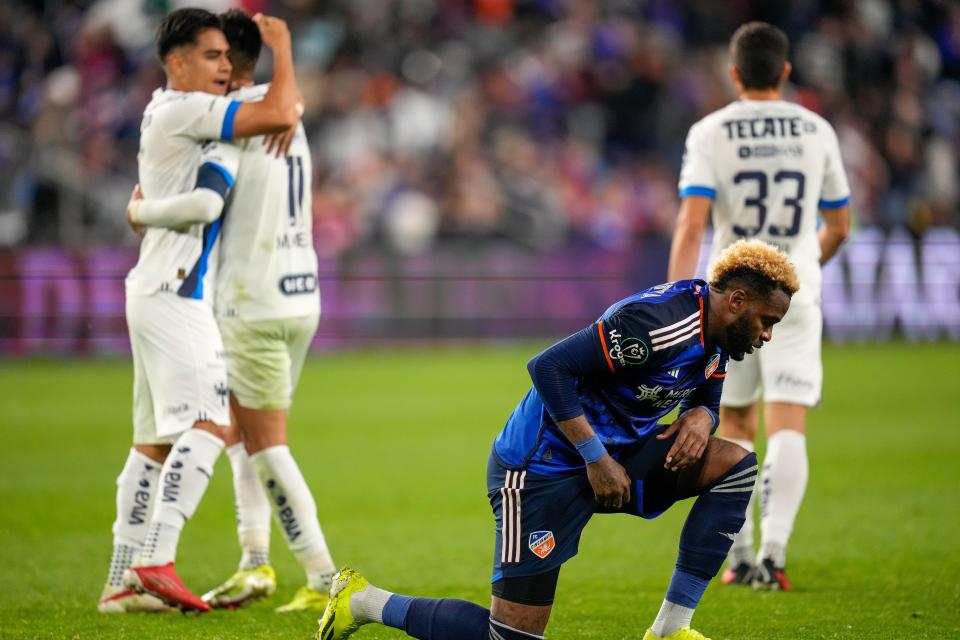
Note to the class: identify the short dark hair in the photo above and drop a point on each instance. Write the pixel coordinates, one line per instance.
(181, 27)
(243, 34)
(759, 51)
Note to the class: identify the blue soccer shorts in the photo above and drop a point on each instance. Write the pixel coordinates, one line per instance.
(539, 519)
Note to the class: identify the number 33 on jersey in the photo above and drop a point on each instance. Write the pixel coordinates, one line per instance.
(768, 166)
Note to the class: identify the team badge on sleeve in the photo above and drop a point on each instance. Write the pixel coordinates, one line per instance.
(542, 543)
(712, 365)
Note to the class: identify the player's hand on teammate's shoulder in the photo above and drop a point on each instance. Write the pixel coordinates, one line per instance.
(135, 197)
(273, 30)
(693, 432)
(610, 482)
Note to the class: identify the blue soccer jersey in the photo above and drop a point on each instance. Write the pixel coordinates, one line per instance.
(644, 356)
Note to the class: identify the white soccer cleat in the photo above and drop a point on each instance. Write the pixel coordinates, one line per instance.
(124, 600)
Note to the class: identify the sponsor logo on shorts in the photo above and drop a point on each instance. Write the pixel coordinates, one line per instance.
(793, 381)
(176, 409)
(542, 543)
(298, 283)
(627, 350)
(712, 365)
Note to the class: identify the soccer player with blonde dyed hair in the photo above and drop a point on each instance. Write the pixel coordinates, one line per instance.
(765, 168)
(587, 439)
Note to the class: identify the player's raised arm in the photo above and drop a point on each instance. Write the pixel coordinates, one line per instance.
(280, 109)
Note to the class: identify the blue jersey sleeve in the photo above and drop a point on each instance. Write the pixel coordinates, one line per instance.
(708, 394)
(556, 372)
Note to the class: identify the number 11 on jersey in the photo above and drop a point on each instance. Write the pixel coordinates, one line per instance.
(295, 188)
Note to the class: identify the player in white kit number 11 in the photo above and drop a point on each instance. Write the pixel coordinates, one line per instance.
(267, 307)
(180, 377)
(765, 168)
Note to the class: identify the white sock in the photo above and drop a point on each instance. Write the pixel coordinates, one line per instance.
(136, 488)
(670, 618)
(183, 481)
(296, 511)
(741, 552)
(367, 605)
(253, 510)
(783, 483)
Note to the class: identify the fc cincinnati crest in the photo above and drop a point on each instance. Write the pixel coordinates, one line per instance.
(712, 365)
(542, 543)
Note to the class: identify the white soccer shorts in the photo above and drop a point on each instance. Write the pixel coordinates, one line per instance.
(787, 369)
(265, 358)
(179, 369)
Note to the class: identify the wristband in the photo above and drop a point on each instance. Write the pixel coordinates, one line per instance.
(591, 449)
(714, 418)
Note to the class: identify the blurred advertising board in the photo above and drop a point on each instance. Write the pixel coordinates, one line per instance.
(55, 302)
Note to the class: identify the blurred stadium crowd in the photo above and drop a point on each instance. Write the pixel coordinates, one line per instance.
(536, 122)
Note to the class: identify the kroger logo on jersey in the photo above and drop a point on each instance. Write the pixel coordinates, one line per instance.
(298, 283)
(627, 350)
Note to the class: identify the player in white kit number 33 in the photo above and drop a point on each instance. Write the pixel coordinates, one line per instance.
(765, 168)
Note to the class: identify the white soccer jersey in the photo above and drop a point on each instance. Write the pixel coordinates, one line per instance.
(179, 133)
(268, 268)
(768, 166)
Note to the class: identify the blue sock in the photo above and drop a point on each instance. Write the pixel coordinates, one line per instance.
(437, 619)
(716, 516)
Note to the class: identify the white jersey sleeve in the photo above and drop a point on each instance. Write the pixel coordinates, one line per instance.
(222, 156)
(697, 177)
(835, 192)
(199, 116)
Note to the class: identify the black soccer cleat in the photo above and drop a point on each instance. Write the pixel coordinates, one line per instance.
(742, 573)
(769, 577)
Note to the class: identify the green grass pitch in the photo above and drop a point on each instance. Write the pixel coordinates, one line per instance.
(394, 445)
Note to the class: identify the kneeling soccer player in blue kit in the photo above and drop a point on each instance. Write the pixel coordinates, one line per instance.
(586, 440)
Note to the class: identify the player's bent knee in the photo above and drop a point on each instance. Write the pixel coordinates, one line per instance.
(156, 452)
(521, 605)
(535, 591)
(720, 457)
